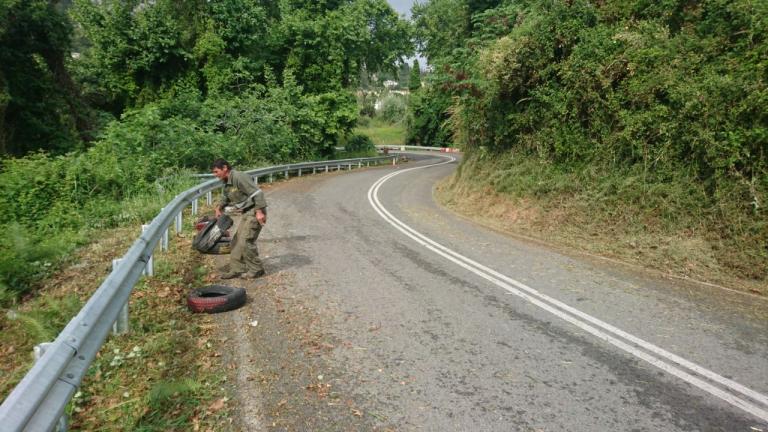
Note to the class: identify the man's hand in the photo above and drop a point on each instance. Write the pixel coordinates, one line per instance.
(218, 212)
(261, 216)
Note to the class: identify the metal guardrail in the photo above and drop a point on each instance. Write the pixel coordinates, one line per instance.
(37, 403)
(418, 148)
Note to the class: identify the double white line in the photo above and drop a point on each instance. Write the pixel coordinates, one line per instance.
(728, 390)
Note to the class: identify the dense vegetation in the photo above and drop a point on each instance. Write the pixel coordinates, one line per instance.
(653, 113)
(103, 103)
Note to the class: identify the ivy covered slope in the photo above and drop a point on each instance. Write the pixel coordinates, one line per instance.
(101, 103)
(637, 118)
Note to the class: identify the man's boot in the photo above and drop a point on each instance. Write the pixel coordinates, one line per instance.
(254, 275)
(230, 275)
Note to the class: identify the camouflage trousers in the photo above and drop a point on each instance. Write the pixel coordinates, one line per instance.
(244, 255)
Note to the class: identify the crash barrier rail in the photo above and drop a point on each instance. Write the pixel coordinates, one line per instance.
(418, 148)
(37, 403)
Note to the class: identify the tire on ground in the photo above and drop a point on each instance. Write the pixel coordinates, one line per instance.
(215, 298)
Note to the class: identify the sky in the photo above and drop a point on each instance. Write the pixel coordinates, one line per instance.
(402, 7)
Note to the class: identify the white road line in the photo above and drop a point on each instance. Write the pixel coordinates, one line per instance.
(609, 333)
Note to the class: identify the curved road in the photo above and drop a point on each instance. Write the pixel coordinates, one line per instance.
(434, 323)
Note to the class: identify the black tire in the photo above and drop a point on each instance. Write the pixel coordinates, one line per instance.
(211, 233)
(220, 248)
(215, 299)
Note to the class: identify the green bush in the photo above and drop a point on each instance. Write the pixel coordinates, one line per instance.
(359, 143)
(427, 119)
(366, 102)
(363, 121)
(393, 108)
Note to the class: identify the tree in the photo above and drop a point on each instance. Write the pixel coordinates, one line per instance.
(440, 27)
(141, 49)
(327, 46)
(414, 83)
(40, 106)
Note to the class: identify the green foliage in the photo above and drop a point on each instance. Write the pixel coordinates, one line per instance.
(427, 115)
(359, 143)
(366, 102)
(414, 81)
(440, 26)
(28, 256)
(183, 83)
(164, 392)
(673, 91)
(53, 201)
(140, 49)
(36, 97)
(43, 323)
(393, 108)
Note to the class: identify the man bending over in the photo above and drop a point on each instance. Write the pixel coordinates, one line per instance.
(243, 195)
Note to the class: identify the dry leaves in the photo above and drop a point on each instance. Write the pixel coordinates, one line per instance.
(217, 405)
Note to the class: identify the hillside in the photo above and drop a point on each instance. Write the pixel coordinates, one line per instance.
(644, 123)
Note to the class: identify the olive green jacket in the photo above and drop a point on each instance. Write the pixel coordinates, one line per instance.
(241, 191)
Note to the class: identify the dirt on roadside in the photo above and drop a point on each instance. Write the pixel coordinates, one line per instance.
(683, 258)
(280, 368)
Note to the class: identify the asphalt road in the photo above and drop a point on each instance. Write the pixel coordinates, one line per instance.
(438, 324)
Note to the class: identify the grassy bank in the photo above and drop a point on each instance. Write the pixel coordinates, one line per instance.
(164, 375)
(381, 132)
(666, 226)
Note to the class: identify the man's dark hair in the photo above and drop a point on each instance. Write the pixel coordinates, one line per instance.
(220, 164)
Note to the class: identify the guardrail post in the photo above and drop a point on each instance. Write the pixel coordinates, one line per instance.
(120, 326)
(349, 167)
(40, 348)
(38, 352)
(359, 164)
(149, 269)
(314, 170)
(299, 172)
(286, 174)
(178, 223)
(326, 168)
(164, 241)
(270, 177)
(338, 167)
(209, 198)
(194, 206)
(256, 180)
(394, 158)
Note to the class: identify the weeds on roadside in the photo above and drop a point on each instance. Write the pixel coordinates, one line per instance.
(164, 375)
(668, 223)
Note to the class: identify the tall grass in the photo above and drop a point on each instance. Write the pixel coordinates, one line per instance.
(382, 132)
